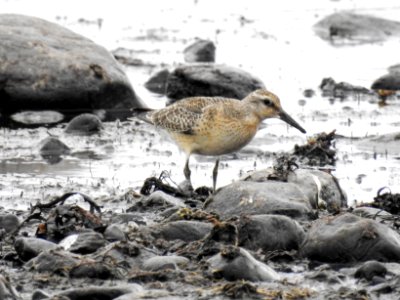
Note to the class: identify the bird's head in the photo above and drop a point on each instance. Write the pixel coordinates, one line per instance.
(267, 105)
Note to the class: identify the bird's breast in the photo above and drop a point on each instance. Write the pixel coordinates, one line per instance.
(220, 138)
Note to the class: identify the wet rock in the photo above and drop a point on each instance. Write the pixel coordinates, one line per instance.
(87, 242)
(114, 233)
(66, 71)
(52, 149)
(157, 83)
(53, 261)
(356, 28)
(159, 198)
(372, 213)
(92, 269)
(321, 188)
(39, 295)
(234, 263)
(210, 80)
(158, 263)
(388, 82)
(370, 269)
(200, 51)
(37, 117)
(28, 248)
(341, 90)
(84, 124)
(9, 222)
(182, 230)
(126, 254)
(348, 238)
(95, 292)
(255, 198)
(270, 233)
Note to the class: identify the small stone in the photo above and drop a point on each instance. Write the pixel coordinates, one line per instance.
(84, 124)
(52, 146)
(182, 230)
(200, 51)
(158, 263)
(238, 264)
(28, 248)
(87, 242)
(9, 222)
(114, 233)
(157, 83)
(370, 269)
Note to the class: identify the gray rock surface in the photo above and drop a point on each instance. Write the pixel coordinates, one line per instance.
(238, 264)
(67, 72)
(256, 198)
(200, 51)
(84, 124)
(87, 242)
(28, 248)
(182, 230)
(320, 187)
(348, 238)
(270, 233)
(52, 146)
(356, 28)
(210, 80)
(9, 222)
(157, 83)
(158, 263)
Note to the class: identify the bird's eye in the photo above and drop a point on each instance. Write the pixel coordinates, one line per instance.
(268, 102)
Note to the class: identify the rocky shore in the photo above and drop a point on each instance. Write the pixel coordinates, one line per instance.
(283, 232)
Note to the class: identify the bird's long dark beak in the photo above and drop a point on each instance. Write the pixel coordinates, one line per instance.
(283, 115)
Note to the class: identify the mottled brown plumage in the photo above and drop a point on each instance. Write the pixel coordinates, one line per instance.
(216, 125)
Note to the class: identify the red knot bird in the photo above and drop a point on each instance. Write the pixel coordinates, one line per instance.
(216, 125)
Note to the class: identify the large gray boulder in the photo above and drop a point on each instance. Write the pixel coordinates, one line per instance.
(210, 80)
(348, 238)
(45, 66)
(356, 28)
(256, 198)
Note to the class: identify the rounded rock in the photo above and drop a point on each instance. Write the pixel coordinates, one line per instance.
(28, 248)
(67, 72)
(348, 238)
(210, 80)
(84, 124)
(200, 51)
(270, 233)
(255, 198)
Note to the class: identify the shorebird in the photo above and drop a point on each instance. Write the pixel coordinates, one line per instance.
(215, 125)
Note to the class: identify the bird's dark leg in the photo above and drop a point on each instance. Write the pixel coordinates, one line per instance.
(215, 174)
(187, 186)
(186, 170)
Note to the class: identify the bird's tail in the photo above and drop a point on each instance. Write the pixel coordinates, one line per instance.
(142, 114)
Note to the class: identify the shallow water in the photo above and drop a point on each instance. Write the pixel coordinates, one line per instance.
(274, 42)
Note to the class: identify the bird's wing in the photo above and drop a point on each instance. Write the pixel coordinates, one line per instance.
(184, 115)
